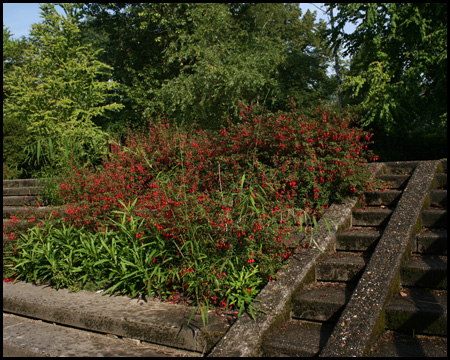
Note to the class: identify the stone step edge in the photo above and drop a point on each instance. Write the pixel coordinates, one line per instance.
(418, 311)
(26, 337)
(154, 322)
(381, 276)
(14, 183)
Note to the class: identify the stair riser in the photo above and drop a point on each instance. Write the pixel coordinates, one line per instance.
(431, 244)
(434, 218)
(310, 310)
(20, 183)
(430, 279)
(356, 241)
(354, 244)
(24, 191)
(440, 181)
(19, 200)
(387, 198)
(420, 323)
(371, 217)
(339, 272)
(21, 211)
(398, 181)
(299, 338)
(400, 168)
(439, 197)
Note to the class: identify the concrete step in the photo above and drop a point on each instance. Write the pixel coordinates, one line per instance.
(395, 344)
(438, 197)
(321, 301)
(370, 216)
(419, 311)
(431, 241)
(21, 183)
(21, 223)
(357, 239)
(297, 338)
(341, 266)
(399, 167)
(151, 321)
(435, 218)
(387, 198)
(20, 200)
(21, 191)
(425, 271)
(21, 210)
(397, 181)
(440, 181)
(317, 307)
(25, 337)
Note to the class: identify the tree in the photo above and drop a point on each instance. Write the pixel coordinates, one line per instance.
(195, 62)
(14, 133)
(12, 50)
(398, 74)
(57, 93)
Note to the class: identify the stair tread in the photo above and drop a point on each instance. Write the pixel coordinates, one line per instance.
(433, 233)
(344, 257)
(341, 266)
(321, 301)
(385, 197)
(396, 344)
(427, 262)
(419, 310)
(298, 338)
(21, 183)
(427, 271)
(359, 232)
(419, 300)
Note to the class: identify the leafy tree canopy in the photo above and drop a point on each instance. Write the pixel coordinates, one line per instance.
(196, 61)
(398, 74)
(56, 92)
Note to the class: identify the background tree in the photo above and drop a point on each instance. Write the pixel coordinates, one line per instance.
(398, 73)
(196, 62)
(56, 93)
(14, 132)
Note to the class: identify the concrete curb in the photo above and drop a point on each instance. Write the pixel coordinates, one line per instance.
(363, 318)
(25, 337)
(152, 321)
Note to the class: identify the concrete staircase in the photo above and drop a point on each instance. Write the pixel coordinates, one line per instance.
(317, 307)
(378, 289)
(416, 316)
(20, 198)
(381, 284)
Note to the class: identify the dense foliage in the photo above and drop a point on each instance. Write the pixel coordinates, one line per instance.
(205, 207)
(196, 61)
(208, 217)
(398, 73)
(55, 94)
(14, 132)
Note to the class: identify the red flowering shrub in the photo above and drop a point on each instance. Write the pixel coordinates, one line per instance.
(215, 211)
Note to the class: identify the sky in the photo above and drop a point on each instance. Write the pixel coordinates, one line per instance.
(18, 17)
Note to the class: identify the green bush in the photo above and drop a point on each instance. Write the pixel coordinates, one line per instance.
(207, 217)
